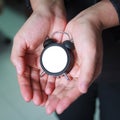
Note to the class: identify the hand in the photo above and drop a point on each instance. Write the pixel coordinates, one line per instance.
(86, 29)
(27, 48)
(86, 32)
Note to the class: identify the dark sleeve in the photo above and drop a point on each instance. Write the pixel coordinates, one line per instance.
(28, 5)
(116, 4)
(28, 8)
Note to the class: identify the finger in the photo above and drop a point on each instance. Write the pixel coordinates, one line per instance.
(75, 72)
(18, 54)
(23, 71)
(62, 97)
(67, 100)
(50, 86)
(87, 72)
(25, 85)
(51, 106)
(36, 87)
(45, 97)
(43, 82)
(53, 99)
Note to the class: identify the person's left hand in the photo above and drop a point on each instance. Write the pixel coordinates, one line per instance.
(47, 17)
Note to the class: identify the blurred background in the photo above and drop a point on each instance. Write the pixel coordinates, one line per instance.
(12, 16)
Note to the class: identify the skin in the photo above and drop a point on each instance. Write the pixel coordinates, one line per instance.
(85, 28)
(28, 44)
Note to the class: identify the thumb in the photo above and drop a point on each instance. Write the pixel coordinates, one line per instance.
(18, 54)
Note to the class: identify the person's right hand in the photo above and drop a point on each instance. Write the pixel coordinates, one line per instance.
(27, 47)
(86, 30)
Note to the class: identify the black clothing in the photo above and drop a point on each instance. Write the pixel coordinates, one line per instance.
(116, 4)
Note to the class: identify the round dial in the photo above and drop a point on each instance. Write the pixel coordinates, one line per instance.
(55, 59)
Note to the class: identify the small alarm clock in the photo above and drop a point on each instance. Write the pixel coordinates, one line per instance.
(57, 58)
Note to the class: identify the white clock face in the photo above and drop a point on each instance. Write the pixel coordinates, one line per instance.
(54, 59)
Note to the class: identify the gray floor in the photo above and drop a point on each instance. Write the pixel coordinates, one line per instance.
(12, 106)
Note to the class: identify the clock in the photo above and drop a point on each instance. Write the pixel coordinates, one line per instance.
(57, 58)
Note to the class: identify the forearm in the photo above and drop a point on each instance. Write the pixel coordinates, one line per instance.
(37, 3)
(103, 14)
(107, 14)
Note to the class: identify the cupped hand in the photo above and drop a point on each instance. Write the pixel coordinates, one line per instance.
(27, 47)
(86, 33)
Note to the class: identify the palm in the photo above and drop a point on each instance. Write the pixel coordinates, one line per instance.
(66, 91)
(88, 57)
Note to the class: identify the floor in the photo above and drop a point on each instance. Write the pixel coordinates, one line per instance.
(12, 106)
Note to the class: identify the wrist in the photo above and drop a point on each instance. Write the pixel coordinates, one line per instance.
(39, 3)
(44, 4)
(103, 15)
(49, 8)
(89, 18)
(107, 14)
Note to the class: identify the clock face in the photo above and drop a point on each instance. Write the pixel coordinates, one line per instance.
(54, 59)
